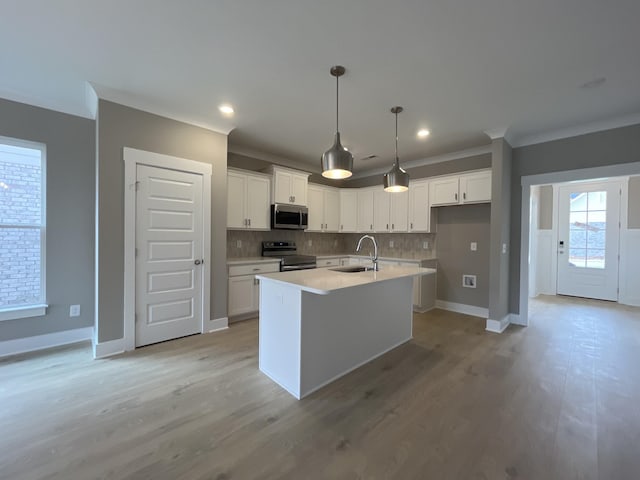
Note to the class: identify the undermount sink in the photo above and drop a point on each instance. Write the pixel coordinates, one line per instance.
(352, 269)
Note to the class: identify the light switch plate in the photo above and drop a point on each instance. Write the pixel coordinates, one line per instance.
(238, 243)
(74, 311)
(474, 246)
(391, 243)
(310, 242)
(425, 245)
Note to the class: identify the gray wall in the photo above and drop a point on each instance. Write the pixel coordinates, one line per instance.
(458, 226)
(545, 208)
(70, 172)
(119, 126)
(633, 215)
(500, 229)
(434, 169)
(610, 147)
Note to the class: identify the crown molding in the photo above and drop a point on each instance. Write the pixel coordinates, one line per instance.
(33, 101)
(577, 130)
(128, 100)
(469, 152)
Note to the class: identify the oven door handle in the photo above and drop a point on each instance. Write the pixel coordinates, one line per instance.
(287, 268)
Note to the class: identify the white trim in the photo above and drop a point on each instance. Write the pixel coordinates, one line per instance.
(132, 158)
(469, 152)
(462, 308)
(48, 340)
(498, 326)
(108, 349)
(13, 313)
(138, 103)
(217, 324)
(577, 130)
(514, 319)
(91, 100)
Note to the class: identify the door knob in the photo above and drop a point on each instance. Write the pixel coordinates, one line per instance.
(197, 262)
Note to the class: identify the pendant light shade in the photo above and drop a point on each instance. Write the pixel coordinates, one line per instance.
(396, 179)
(337, 162)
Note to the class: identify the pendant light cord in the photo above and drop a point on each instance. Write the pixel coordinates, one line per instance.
(397, 162)
(337, 97)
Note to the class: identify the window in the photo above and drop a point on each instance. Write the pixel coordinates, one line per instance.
(587, 230)
(22, 229)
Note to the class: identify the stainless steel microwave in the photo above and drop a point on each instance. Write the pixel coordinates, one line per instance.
(289, 217)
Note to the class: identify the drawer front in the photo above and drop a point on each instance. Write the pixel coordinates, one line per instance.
(253, 269)
(330, 262)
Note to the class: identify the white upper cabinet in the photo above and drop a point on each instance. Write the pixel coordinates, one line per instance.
(289, 186)
(399, 212)
(419, 211)
(348, 210)
(324, 208)
(444, 191)
(365, 210)
(381, 206)
(475, 187)
(472, 187)
(247, 200)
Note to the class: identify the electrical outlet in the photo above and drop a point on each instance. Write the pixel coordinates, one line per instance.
(238, 243)
(474, 246)
(504, 248)
(74, 311)
(310, 242)
(425, 245)
(391, 243)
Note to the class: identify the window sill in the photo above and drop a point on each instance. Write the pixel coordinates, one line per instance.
(13, 313)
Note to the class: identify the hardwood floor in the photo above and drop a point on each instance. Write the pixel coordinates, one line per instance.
(557, 400)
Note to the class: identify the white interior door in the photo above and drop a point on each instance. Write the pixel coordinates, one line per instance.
(588, 240)
(169, 254)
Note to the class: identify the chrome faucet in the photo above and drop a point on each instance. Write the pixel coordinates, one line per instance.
(374, 258)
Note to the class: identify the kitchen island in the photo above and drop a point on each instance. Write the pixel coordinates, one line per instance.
(317, 325)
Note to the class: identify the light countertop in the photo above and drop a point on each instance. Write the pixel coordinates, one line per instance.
(323, 281)
(250, 260)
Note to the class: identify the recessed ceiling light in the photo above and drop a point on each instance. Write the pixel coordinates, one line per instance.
(423, 133)
(226, 109)
(594, 83)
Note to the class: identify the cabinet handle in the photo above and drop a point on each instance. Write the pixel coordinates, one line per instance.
(256, 269)
(393, 225)
(412, 225)
(371, 227)
(249, 222)
(456, 196)
(387, 226)
(294, 198)
(464, 195)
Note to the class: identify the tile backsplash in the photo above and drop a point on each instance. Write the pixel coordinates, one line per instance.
(405, 245)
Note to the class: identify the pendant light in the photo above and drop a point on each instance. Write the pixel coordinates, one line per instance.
(337, 162)
(396, 179)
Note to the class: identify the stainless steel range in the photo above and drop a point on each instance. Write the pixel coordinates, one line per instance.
(288, 255)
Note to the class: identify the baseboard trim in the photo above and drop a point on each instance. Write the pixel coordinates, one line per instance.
(515, 319)
(462, 308)
(631, 301)
(48, 340)
(108, 349)
(498, 326)
(217, 324)
(423, 310)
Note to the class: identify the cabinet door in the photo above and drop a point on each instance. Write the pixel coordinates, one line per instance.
(258, 202)
(399, 211)
(331, 210)
(236, 198)
(241, 295)
(348, 210)
(298, 189)
(381, 206)
(444, 191)
(282, 187)
(365, 210)
(476, 187)
(316, 208)
(419, 207)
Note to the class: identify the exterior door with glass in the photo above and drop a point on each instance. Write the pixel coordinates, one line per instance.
(588, 239)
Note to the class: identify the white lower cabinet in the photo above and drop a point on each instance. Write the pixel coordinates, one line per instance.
(244, 287)
(328, 262)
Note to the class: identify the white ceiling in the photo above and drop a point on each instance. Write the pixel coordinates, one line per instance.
(458, 67)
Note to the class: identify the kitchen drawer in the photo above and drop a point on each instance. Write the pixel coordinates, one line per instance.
(253, 269)
(329, 262)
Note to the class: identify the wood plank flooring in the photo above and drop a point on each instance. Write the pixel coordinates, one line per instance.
(557, 400)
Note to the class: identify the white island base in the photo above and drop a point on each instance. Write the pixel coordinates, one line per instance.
(308, 339)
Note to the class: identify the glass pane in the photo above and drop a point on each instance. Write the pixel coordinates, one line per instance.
(599, 216)
(577, 202)
(597, 200)
(595, 258)
(20, 266)
(578, 219)
(596, 236)
(20, 186)
(578, 238)
(577, 257)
